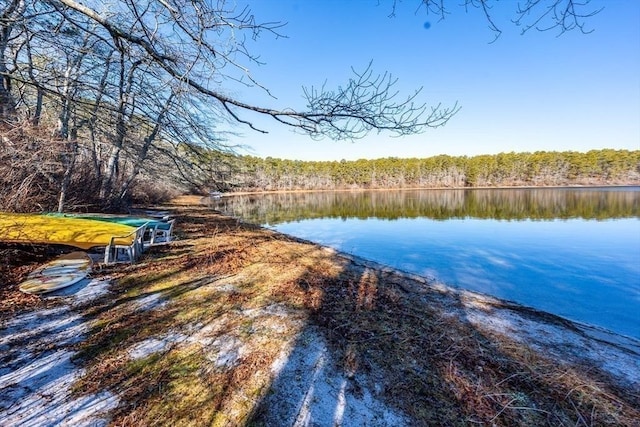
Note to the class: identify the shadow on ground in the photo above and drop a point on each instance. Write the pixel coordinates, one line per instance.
(393, 350)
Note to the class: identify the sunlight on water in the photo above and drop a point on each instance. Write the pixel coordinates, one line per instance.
(575, 253)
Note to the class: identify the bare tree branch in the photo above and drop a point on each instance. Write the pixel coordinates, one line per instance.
(542, 15)
(342, 114)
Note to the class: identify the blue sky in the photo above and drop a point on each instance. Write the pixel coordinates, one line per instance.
(521, 93)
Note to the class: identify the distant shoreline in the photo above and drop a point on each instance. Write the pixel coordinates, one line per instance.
(523, 187)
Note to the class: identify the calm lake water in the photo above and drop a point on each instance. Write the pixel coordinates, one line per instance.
(571, 252)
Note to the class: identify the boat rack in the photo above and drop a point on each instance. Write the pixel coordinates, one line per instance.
(158, 232)
(152, 233)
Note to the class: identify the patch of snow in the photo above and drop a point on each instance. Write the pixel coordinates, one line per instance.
(155, 345)
(205, 335)
(619, 356)
(32, 324)
(95, 289)
(81, 292)
(225, 351)
(38, 372)
(309, 390)
(150, 302)
(279, 310)
(227, 288)
(39, 394)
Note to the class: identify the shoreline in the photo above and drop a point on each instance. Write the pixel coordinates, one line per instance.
(612, 337)
(614, 312)
(234, 323)
(608, 336)
(594, 332)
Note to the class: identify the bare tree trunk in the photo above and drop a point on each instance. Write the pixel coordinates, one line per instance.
(144, 150)
(63, 131)
(35, 119)
(68, 157)
(68, 172)
(9, 17)
(96, 152)
(62, 128)
(121, 120)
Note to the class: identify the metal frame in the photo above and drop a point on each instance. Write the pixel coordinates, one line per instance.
(113, 251)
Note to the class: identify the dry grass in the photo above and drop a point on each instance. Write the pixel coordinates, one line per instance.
(214, 281)
(443, 371)
(245, 293)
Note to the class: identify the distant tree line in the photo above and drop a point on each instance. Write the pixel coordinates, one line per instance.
(542, 168)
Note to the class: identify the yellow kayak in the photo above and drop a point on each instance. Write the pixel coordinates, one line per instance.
(77, 232)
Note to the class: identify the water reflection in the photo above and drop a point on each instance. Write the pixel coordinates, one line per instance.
(504, 204)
